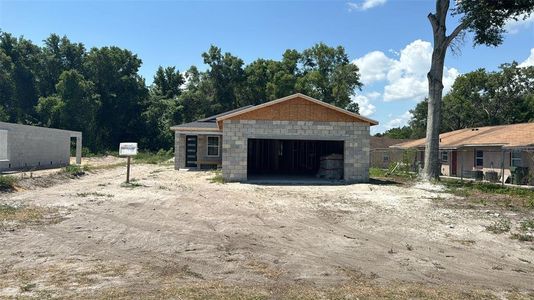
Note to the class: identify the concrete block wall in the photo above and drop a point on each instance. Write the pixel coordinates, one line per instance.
(355, 136)
(35, 147)
(202, 150)
(179, 150)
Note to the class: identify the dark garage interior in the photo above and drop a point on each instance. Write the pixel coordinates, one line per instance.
(296, 158)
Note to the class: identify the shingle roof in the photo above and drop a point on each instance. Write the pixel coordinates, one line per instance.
(383, 142)
(208, 123)
(515, 135)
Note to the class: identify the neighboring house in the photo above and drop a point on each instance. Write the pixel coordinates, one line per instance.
(286, 137)
(32, 147)
(486, 149)
(382, 155)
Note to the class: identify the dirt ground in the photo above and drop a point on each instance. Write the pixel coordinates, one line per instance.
(175, 234)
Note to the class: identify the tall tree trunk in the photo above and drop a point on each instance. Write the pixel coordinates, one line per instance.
(435, 89)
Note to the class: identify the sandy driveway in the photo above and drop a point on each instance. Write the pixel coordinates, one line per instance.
(174, 230)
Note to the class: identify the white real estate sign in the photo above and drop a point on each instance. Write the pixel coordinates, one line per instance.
(128, 149)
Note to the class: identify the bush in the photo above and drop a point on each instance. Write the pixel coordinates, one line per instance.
(75, 170)
(7, 183)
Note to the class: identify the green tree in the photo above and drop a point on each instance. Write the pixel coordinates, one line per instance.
(163, 109)
(353, 107)
(168, 82)
(404, 132)
(418, 121)
(114, 72)
(226, 78)
(25, 57)
(328, 75)
(482, 98)
(73, 107)
(8, 105)
(486, 20)
(58, 54)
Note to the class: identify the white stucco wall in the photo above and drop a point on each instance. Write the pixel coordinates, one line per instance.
(35, 147)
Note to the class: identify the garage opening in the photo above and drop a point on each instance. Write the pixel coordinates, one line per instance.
(294, 159)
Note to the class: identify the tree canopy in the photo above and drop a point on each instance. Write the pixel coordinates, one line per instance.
(99, 91)
(479, 98)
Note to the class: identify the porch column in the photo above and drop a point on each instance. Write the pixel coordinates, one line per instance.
(179, 151)
(79, 149)
(502, 167)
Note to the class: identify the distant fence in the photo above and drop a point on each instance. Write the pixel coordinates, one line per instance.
(492, 164)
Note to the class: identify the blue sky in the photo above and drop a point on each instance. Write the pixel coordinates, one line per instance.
(388, 39)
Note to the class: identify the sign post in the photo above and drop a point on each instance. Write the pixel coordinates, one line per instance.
(128, 150)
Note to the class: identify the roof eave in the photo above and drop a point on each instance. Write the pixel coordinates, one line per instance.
(176, 128)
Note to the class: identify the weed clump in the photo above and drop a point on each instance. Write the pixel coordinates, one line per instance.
(217, 178)
(75, 170)
(7, 183)
(500, 226)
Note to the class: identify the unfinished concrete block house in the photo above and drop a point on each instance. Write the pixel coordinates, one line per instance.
(32, 147)
(288, 137)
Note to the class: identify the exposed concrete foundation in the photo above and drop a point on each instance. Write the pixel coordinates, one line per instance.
(32, 147)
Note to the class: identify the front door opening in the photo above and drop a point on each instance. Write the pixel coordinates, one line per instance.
(191, 151)
(293, 158)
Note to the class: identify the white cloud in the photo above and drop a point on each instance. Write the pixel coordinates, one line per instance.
(373, 66)
(399, 121)
(514, 26)
(364, 103)
(365, 5)
(405, 76)
(529, 61)
(373, 95)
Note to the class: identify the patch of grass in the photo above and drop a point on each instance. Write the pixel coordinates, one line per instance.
(500, 226)
(523, 237)
(147, 157)
(76, 170)
(397, 175)
(104, 167)
(27, 287)
(7, 183)
(19, 213)
(19, 216)
(132, 184)
(527, 225)
(353, 289)
(96, 194)
(217, 177)
(487, 194)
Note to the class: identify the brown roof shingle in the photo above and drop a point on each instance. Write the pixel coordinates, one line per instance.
(383, 142)
(515, 135)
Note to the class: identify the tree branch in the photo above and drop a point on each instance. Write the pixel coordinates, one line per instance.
(433, 21)
(455, 32)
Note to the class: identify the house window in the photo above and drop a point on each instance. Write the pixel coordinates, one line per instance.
(213, 146)
(444, 156)
(479, 158)
(3, 145)
(515, 160)
(386, 157)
